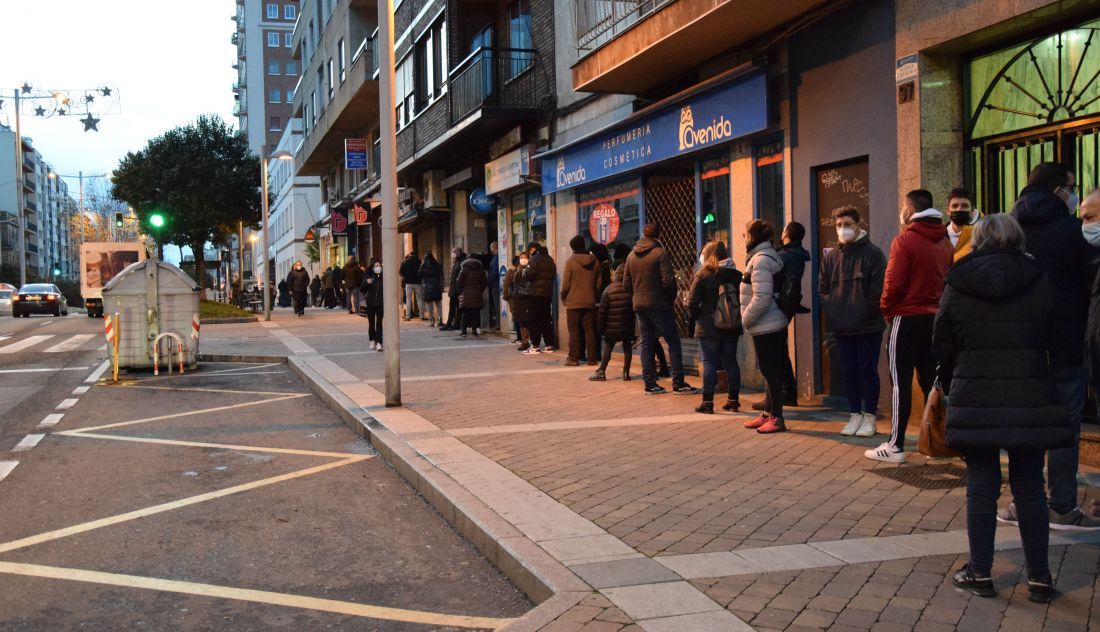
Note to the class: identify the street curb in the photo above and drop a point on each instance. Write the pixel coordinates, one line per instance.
(251, 359)
(228, 321)
(548, 583)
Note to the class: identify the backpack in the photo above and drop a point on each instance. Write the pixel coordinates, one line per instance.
(727, 313)
(788, 294)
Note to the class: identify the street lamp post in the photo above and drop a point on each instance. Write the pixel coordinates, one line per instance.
(388, 137)
(279, 155)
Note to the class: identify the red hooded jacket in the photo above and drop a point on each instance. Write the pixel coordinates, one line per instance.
(917, 270)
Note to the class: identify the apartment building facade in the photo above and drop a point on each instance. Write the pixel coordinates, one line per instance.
(266, 74)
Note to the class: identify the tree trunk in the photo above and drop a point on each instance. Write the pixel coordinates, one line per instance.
(200, 269)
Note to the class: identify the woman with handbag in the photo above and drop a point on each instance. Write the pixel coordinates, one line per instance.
(991, 341)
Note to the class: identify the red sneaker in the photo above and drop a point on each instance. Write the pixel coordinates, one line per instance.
(775, 424)
(759, 421)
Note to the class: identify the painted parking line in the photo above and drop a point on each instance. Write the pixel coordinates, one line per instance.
(6, 467)
(67, 403)
(255, 596)
(80, 390)
(50, 420)
(29, 341)
(94, 377)
(192, 412)
(68, 368)
(28, 442)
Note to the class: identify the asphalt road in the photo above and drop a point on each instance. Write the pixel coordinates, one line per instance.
(226, 499)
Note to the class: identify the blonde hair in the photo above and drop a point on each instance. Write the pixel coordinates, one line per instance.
(714, 252)
(998, 230)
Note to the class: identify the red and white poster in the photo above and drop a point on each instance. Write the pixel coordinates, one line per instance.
(603, 224)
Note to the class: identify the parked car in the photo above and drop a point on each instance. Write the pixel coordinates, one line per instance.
(39, 298)
(5, 300)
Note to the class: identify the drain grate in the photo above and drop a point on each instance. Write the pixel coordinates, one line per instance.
(945, 476)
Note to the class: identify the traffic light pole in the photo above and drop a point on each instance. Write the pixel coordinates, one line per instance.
(19, 196)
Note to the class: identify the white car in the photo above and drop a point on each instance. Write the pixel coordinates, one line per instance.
(5, 298)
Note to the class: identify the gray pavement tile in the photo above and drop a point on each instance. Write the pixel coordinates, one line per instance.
(718, 621)
(867, 550)
(788, 558)
(651, 601)
(697, 565)
(617, 573)
(588, 548)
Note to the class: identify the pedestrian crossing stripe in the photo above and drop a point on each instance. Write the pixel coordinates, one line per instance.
(63, 344)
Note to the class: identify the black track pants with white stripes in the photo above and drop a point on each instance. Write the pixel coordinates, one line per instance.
(910, 348)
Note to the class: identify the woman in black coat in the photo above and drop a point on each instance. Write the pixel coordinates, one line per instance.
(371, 288)
(431, 288)
(992, 340)
(615, 323)
(472, 284)
(717, 277)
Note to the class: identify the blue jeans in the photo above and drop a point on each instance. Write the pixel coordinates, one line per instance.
(660, 322)
(721, 353)
(859, 362)
(983, 486)
(1062, 463)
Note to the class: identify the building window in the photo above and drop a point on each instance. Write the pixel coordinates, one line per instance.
(274, 96)
(431, 65)
(290, 12)
(768, 158)
(313, 105)
(404, 90)
(289, 95)
(274, 127)
(330, 82)
(292, 68)
(342, 56)
(273, 12)
(714, 180)
(287, 37)
(624, 199)
(272, 39)
(519, 37)
(273, 66)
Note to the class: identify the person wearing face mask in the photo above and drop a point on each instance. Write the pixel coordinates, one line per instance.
(454, 315)
(919, 259)
(1055, 237)
(850, 285)
(298, 283)
(372, 299)
(963, 216)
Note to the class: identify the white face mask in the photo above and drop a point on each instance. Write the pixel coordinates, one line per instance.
(701, 260)
(1073, 201)
(1091, 232)
(378, 269)
(846, 234)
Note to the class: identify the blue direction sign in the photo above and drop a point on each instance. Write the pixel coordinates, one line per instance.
(355, 153)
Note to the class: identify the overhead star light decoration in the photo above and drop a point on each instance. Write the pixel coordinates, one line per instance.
(90, 104)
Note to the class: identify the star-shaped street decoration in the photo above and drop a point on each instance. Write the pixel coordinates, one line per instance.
(88, 98)
(26, 88)
(61, 112)
(90, 123)
(105, 91)
(40, 111)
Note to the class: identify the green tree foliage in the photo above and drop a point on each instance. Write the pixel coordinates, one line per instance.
(207, 178)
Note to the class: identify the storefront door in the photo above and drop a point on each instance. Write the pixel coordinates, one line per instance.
(670, 202)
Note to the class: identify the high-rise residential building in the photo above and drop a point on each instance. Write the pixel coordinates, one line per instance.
(266, 74)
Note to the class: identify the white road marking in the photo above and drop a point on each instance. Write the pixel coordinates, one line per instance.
(67, 403)
(70, 344)
(50, 420)
(91, 379)
(48, 322)
(80, 390)
(28, 442)
(30, 341)
(6, 467)
(68, 368)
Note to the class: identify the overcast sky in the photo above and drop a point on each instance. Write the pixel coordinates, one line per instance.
(170, 62)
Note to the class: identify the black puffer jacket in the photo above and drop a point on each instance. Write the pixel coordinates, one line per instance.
(1054, 237)
(992, 342)
(298, 280)
(615, 318)
(431, 279)
(472, 284)
(649, 277)
(372, 289)
(850, 285)
(540, 274)
(703, 299)
(456, 267)
(410, 270)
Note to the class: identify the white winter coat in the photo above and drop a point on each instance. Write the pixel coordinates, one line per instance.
(760, 314)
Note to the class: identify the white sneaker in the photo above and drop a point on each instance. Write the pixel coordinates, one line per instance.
(373, 345)
(867, 428)
(886, 453)
(379, 347)
(853, 424)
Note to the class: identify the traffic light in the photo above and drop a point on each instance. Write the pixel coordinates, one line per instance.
(56, 271)
(156, 219)
(118, 220)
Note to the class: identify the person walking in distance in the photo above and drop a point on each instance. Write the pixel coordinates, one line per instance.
(453, 313)
(298, 283)
(765, 322)
(714, 307)
(338, 285)
(1055, 237)
(431, 289)
(372, 298)
(850, 286)
(578, 295)
(615, 323)
(315, 291)
(516, 304)
(915, 273)
(521, 293)
(329, 291)
(353, 278)
(471, 294)
(539, 275)
(410, 280)
(649, 278)
(993, 345)
(963, 216)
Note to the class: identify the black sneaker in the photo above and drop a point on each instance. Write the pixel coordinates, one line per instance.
(656, 389)
(980, 586)
(1040, 590)
(684, 389)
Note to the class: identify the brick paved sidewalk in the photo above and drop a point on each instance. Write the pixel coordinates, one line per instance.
(678, 520)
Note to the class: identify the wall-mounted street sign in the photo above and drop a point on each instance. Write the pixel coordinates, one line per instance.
(481, 202)
(355, 153)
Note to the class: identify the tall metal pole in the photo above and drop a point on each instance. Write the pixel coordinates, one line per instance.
(263, 203)
(388, 135)
(19, 196)
(240, 258)
(80, 174)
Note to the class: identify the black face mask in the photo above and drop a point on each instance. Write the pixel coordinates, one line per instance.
(961, 218)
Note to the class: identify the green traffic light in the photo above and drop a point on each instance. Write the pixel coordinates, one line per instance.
(156, 220)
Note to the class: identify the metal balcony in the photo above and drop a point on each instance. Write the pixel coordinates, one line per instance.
(29, 185)
(28, 162)
(599, 21)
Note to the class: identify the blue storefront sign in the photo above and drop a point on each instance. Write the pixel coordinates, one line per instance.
(713, 117)
(481, 202)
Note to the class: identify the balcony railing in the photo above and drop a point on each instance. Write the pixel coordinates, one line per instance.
(28, 184)
(30, 206)
(600, 21)
(30, 227)
(493, 77)
(28, 162)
